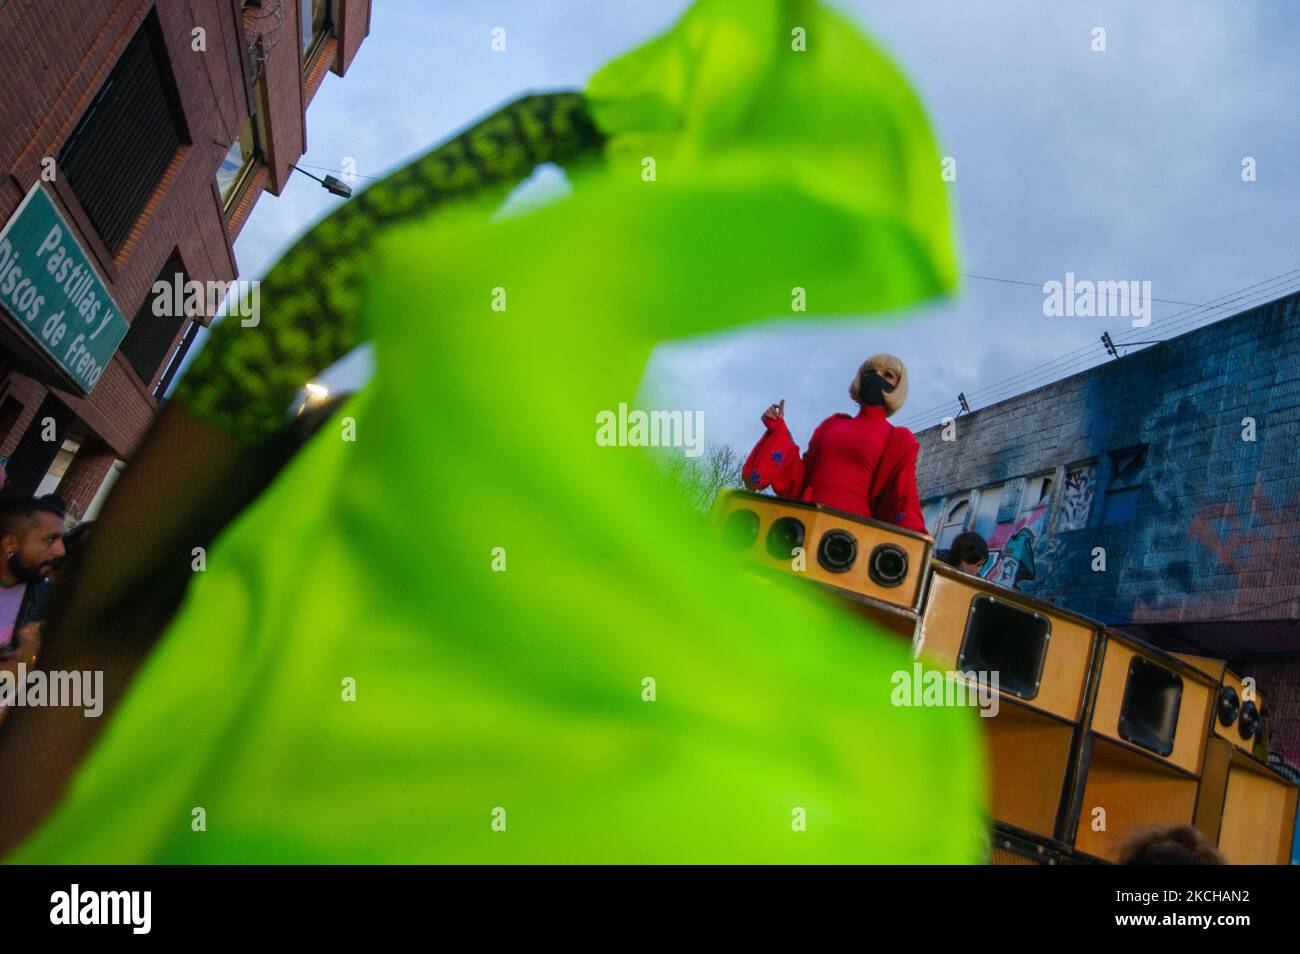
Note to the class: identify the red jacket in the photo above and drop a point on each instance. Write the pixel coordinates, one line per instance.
(862, 465)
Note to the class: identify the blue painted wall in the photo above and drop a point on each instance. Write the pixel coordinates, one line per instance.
(1215, 536)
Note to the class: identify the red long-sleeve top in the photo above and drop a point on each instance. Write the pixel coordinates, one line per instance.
(863, 465)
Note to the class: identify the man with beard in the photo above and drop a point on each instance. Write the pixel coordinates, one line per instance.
(31, 539)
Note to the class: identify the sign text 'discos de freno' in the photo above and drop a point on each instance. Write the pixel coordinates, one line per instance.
(50, 286)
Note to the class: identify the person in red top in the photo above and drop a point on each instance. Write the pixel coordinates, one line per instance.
(859, 464)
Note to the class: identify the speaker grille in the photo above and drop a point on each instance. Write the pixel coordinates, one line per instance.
(1249, 723)
(1007, 639)
(783, 536)
(1149, 714)
(837, 551)
(887, 565)
(740, 529)
(1229, 706)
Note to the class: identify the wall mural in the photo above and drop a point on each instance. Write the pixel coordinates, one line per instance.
(1011, 547)
(930, 511)
(1015, 546)
(1250, 542)
(1076, 501)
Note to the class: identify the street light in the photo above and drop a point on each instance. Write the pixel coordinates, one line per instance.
(335, 186)
(313, 393)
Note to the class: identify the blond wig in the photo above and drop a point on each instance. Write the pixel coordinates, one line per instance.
(884, 362)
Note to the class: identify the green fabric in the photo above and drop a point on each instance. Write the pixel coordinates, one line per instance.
(523, 689)
(245, 378)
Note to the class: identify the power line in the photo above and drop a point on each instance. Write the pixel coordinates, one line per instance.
(1233, 299)
(1167, 324)
(1013, 389)
(1039, 286)
(1257, 293)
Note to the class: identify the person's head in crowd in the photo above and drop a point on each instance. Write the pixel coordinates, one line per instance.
(968, 552)
(73, 540)
(31, 538)
(55, 502)
(1181, 845)
(58, 503)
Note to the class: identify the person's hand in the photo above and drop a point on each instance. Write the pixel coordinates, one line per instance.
(27, 648)
(775, 411)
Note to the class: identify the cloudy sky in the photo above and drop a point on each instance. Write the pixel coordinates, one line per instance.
(1117, 165)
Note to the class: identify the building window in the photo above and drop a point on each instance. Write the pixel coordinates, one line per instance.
(118, 153)
(62, 460)
(1125, 486)
(1034, 501)
(931, 510)
(986, 510)
(315, 27)
(150, 336)
(953, 524)
(1076, 499)
(240, 160)
(177, 359)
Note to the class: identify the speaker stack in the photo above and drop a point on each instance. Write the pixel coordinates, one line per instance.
(1245, 807)
(1043, 658)
(1143, 753)
(879, 568)
(1098, 736)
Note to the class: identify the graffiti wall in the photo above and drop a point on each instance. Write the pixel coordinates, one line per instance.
(1176, 510)
(1076, 498)
(1011, 548)
(1011, 517)
(1202, 531)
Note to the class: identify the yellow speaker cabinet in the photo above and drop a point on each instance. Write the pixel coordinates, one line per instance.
(1239, 714)
(1011, 846)
(1042, 658)
(1245, 807)
(1144, 749)
(878, 567)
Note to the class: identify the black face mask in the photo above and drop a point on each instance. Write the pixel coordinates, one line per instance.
(872, 389)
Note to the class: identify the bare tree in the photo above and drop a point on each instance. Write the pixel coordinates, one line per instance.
(698, 480)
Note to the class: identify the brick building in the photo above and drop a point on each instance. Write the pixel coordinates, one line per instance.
(1178, 463)
(135, 137)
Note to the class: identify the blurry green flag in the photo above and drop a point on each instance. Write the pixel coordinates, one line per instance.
(550, 662)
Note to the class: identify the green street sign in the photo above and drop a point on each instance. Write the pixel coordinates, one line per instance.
(50, 286)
